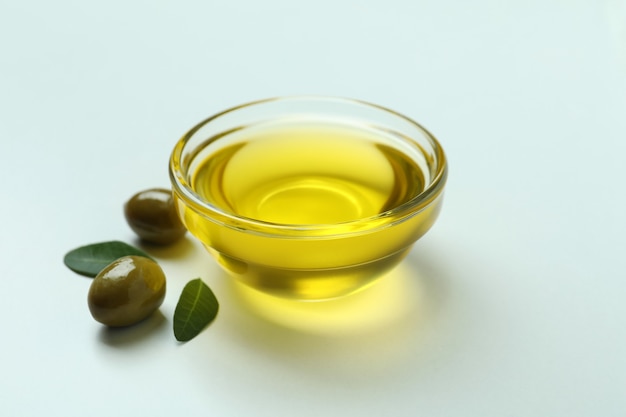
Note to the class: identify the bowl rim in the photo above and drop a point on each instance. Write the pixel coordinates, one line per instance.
(389, 217)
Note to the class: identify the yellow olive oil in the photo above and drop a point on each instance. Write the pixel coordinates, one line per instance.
(301, 176)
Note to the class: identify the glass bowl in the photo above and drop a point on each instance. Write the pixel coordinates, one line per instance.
(308, 198)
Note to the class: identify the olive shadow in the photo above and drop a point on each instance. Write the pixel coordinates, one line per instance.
(124, 337)
(177, 250)
(371, 332)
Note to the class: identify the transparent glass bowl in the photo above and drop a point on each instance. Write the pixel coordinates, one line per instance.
(308, 198)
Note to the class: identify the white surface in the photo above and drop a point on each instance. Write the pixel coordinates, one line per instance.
(513, 305)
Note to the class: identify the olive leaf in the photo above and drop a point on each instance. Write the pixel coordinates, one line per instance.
(196, 308)
(89, 260)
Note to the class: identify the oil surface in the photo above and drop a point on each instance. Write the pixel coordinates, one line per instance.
(308, 175)
(295, 174)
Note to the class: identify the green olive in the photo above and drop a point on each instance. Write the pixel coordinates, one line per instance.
(126, 291)
(152, 216)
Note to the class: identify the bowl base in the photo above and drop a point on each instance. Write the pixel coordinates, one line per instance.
(308, 284)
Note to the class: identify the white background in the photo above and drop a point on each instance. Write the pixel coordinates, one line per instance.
(514, 304)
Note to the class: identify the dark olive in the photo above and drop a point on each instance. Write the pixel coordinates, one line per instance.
(126, 291)
(152, 215)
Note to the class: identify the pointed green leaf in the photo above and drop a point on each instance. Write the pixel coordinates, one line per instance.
(196, 308)
(89, 260)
